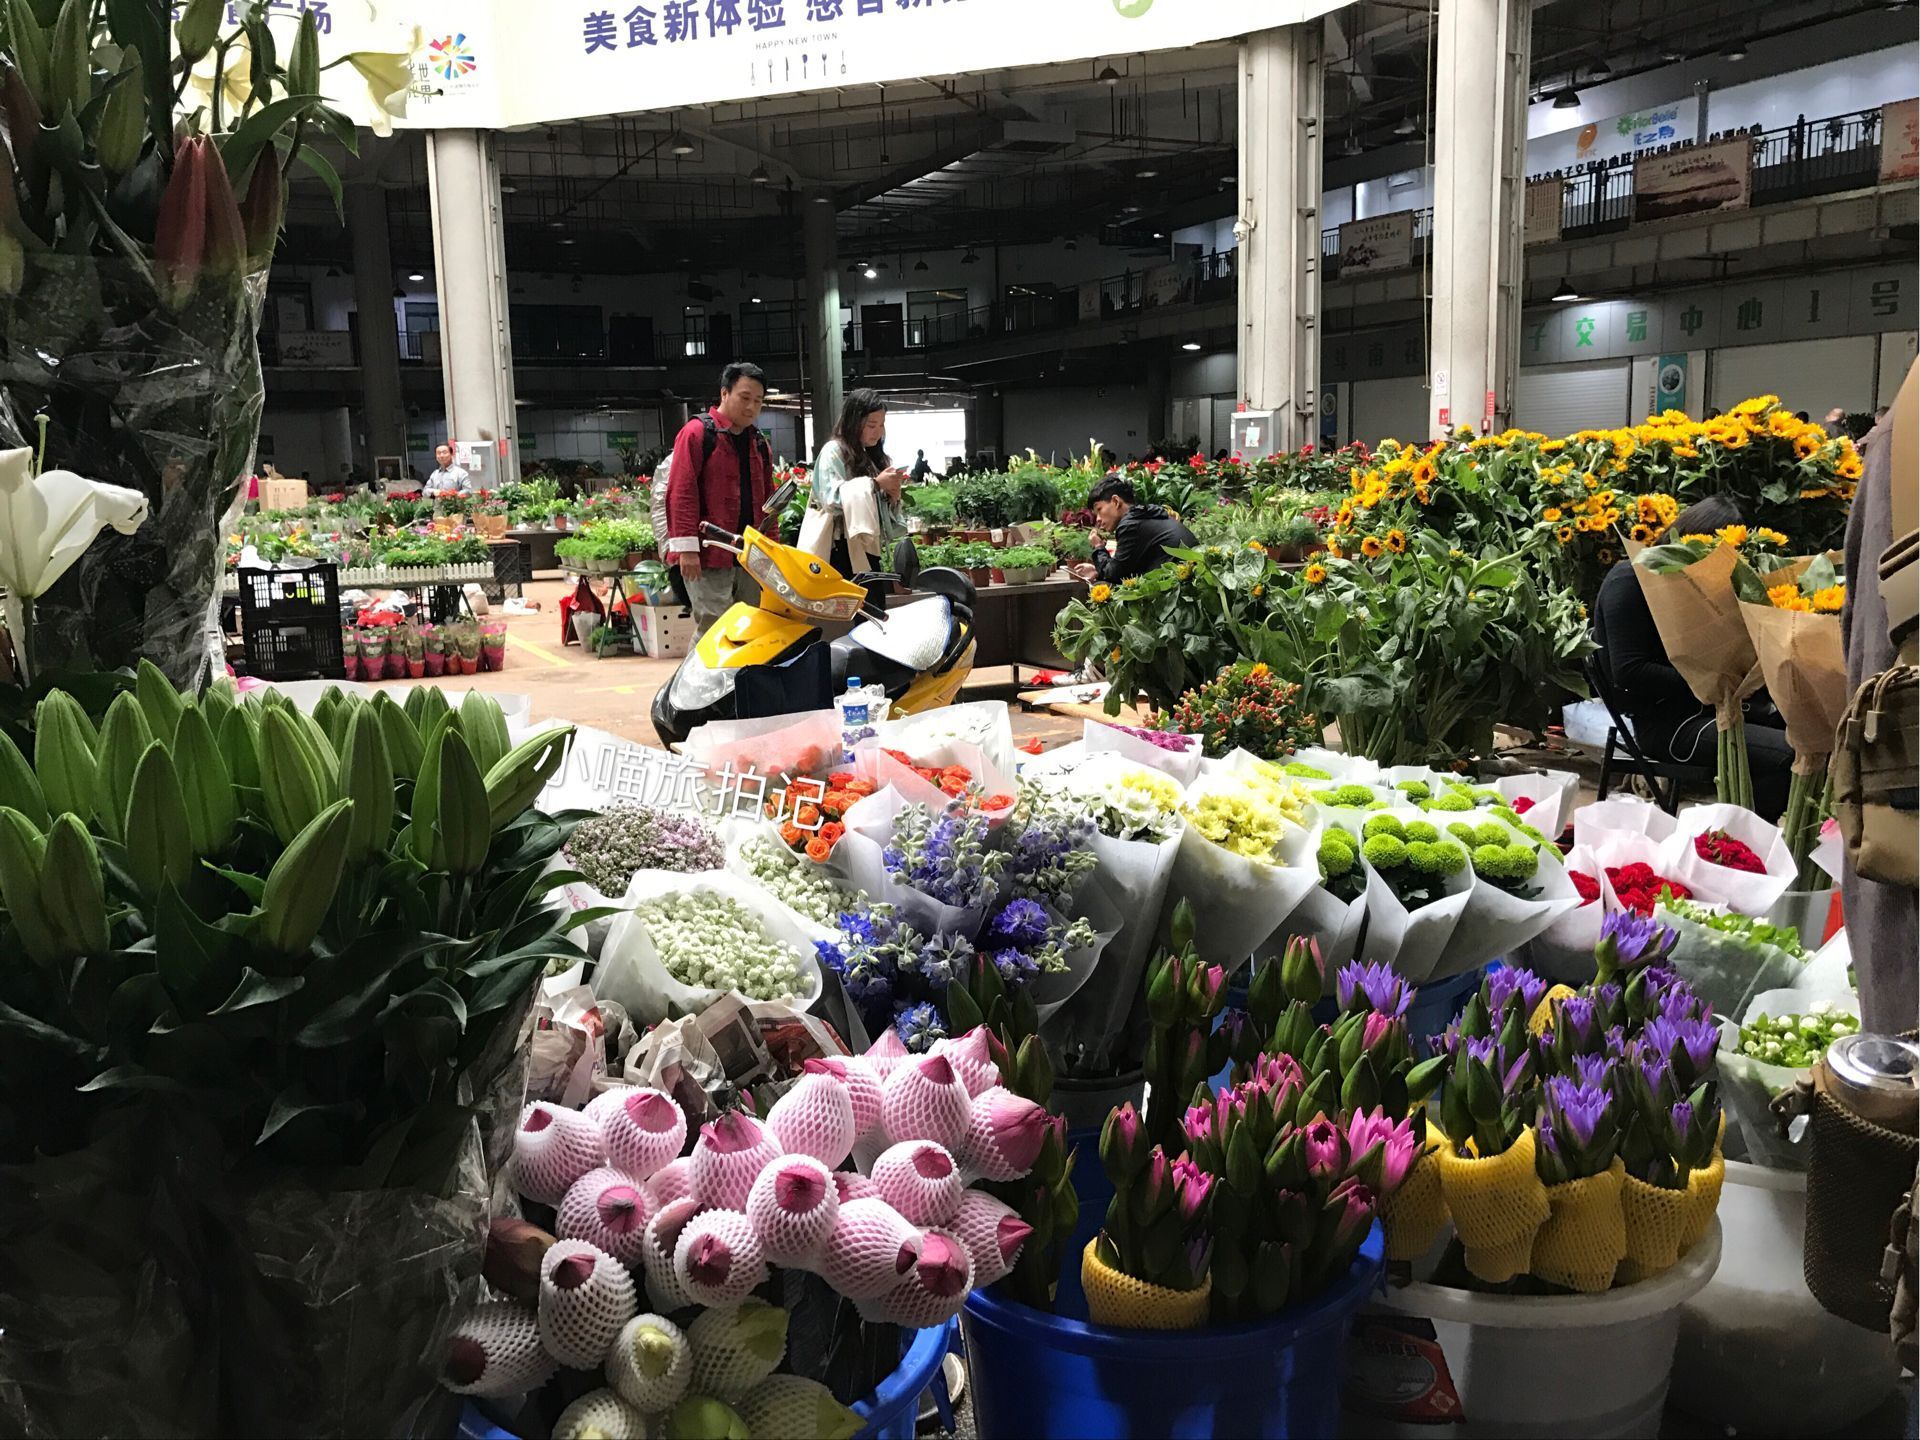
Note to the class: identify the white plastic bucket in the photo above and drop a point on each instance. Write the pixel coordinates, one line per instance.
(1577, 1367)
(1756, 1351)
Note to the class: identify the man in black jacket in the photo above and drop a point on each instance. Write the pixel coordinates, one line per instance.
(1141, 533)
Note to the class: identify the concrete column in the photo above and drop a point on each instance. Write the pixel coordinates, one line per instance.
(1479, 180)
(380, 395)
(336, 451)
(986, 424)
(825, 378)
(1279, 225)
(1159, 398)
(470, 269)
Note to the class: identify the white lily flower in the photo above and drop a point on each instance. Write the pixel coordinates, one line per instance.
(389, 78)
(235, 82)
(47, 521)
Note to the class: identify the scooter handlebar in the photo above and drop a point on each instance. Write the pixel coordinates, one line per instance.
(712, 532)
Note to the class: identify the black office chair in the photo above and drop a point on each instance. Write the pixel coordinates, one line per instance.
(1623, 752)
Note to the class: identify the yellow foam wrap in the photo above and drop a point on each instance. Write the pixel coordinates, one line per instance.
(1585, 1236)
(1498, 1204)
(1121, 1301)
(1414, 1215)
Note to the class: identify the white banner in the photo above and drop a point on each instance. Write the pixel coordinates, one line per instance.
(1899, 141)
(1670, 124)
(316, 348)
(1376, 244)
(1090, 300)
(512, 62)
(1699, 178)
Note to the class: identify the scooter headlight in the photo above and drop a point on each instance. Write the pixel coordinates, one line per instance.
(696, 686)
(760, 566)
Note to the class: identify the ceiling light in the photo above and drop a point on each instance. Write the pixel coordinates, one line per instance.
(506, 189)
(1736, 51)
(871, 273)
(856, 267)
(823, 199)
(1145, 174)
(678, 144)
(568, 240)
(556, 224)
(1191, 345)
(415, 276)
(920, 265)
(1108, 76)
(1159, 234)
(1072, 245)
(970, 258)
(1566, 98)
(1406, 126)
(1670, 55)
(760, 176)
(1565, 292)
(755, 300)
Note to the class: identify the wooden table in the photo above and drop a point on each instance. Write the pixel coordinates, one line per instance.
(1013, 624)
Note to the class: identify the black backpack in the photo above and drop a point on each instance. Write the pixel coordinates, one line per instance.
(712, 442)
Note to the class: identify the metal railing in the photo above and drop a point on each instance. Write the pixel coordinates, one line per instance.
(1792, 162)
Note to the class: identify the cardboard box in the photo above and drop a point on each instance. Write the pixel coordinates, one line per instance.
(280, 494)
(666, 632)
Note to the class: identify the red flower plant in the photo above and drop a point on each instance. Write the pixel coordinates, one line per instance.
(1522, 805)
(1588, 887)
(1721, 848)
(1639, 887)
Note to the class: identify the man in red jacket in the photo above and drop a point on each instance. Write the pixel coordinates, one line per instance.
(722, 474)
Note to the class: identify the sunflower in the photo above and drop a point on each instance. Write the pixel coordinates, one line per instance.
(1258, 591)
(1316, 575)
(1397, 541)
(1734, 439)
(1563, 534)
(1185, 571)
(1805, 446)
(1829, 599)
(1756, 404)
(1642, 534)
(1767, 536)
(1371, 547)
(1606, 556)
(1551, 515)
(1849, 466)
(1734, 535)
(1100, 594)
(1787, 597)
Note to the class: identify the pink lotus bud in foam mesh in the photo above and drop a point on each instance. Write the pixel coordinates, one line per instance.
(992, 1233)
(672, 1181)
(650, 1364)
(815, 1117)
(728, 1157)
(641, 1128)
(553, 1147)
(793, 1206)
(863, 1088)
(735, 1349)
(496, 1352)
(585, 1297)
(608, 1209)
(599, 1415)
(970, 1060)
(871, 1248)
(919, 1179)
(852, 1185)
(935, 1289)
(1004, 1134)
(924, 1100)
(885, 1055)
(719, 1259)
(663, 1237)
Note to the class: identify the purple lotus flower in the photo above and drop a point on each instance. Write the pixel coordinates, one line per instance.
(1507, 982)
(1697, 1039)
(1363, 1130)
(1617, 1041)
(1385, 989)
(1681, 1116)
(1580, 1107)
(1544, 1136)
(1577, 1019)
(1278, 1077)
(1629, 941)
(1191, 1187)
(1592, 1069)
(1197, 1124)
(1377, 1029)
(1654, 1068)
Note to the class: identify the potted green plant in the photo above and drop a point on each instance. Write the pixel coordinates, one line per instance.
(1025, 564)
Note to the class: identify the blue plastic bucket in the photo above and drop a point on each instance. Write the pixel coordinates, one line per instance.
(891, 1412)
(1035, 1374)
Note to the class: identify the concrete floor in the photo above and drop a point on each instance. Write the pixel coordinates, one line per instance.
(566, 682)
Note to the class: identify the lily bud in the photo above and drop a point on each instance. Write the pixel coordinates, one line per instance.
(72, 891)
(1303, 970)
(303, 64)
(123, 124)
(260, 211)
(226, 236)
(198, 28)
(304, 880)
(180, 233)
(22, 861)
(30, 48)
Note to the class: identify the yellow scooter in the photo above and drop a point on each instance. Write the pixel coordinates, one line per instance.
(921, 653)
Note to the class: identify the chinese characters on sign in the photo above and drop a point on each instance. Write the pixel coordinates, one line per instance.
(675, 21)
(619, 771)
(1696, 179)
(1376, 244)
(1543, 211)
(1900, 141)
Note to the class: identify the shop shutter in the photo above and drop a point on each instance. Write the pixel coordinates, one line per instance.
(1389, 410)
(1809, 375)
(1560, 399)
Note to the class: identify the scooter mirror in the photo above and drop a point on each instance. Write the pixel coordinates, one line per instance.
(779, 500)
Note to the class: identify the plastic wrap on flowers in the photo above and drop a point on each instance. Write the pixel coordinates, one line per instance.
(1749, 893)
(1624, 813)
(796, 745)
(1243, 899)
(1180, 765)
(861, 853)
(1725, 970)
(1496, 922)
(164, 402)
(1054, 990)
(982, 723)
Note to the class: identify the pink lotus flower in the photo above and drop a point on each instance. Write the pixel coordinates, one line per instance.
(1278, 1077)
(1378, 1029)
(1207, 986)
(1397, 1154)
(1325, 1150)
(1354, 1205)
(1192, 1186)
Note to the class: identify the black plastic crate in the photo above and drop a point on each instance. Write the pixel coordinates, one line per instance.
(294, 649)
(290, 595)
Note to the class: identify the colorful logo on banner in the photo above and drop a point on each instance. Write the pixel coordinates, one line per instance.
(451, 58)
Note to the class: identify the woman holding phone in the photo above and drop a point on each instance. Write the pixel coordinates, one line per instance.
(855, 453)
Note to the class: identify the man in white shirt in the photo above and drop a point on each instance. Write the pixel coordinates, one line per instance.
(447, 478)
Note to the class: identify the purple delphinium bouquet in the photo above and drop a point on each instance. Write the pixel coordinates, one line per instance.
(609, 848)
